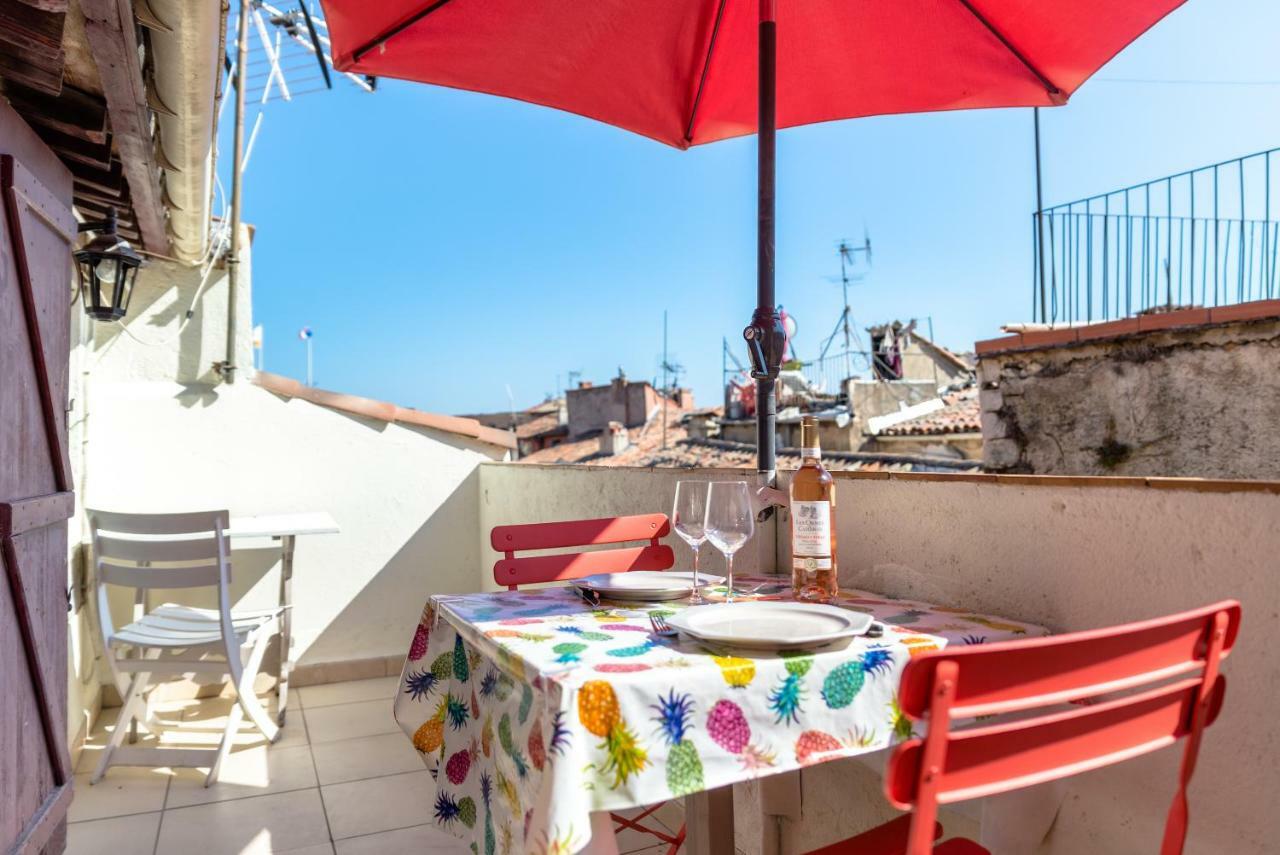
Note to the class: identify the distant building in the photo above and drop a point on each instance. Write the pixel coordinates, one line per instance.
(591, 408)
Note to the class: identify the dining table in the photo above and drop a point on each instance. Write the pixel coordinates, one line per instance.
(539, 711)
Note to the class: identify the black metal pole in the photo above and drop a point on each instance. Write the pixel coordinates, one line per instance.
(766, 315)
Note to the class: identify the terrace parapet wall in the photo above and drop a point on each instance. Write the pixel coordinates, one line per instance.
(1194, 392)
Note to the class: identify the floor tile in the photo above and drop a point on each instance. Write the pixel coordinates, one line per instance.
(419, 840)
(209, 717)
(263, 824)
(671, 814)
(346, 721)
(123, 790)
(378, 688)
(124, 835)
(630, 840)
(367, 757)
(379, 804)
(254, 771)
(318, 849)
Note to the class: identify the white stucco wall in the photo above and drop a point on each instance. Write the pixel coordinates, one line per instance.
(153, 430)
(404, 499)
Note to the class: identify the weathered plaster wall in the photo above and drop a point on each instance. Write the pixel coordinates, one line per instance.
(1198, 402)
(1069, 554)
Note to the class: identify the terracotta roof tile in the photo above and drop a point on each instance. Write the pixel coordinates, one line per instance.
(541, 425)
(961, 414)
(384, 411)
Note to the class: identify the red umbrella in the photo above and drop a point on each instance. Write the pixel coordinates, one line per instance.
(686, 72)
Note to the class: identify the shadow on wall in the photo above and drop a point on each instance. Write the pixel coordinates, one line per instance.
(440, 557)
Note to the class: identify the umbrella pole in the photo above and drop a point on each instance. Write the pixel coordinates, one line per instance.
(766, 314)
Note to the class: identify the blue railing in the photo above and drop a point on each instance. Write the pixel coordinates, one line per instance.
(1204, 237)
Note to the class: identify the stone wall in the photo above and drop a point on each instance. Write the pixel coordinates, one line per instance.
(1201, 400)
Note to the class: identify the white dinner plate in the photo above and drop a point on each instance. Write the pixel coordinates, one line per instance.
(646, 584)
(770, 625)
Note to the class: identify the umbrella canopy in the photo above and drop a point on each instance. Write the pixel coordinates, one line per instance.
(683, 72)
(687, 72)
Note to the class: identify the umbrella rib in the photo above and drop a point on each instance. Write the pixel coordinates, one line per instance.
(702, 81)
(1054, 92)
(397, 29)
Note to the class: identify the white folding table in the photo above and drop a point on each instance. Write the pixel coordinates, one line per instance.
(284, 528)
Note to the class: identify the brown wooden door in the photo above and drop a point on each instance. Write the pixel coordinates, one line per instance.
(36, 232)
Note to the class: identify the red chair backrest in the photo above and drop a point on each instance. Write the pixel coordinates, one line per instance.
(948, 766)
(509, 539)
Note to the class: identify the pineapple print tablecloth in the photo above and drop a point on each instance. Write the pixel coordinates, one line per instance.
(533, 709)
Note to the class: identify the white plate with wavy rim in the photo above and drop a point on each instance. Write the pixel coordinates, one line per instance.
(646, 584)
(766, 625)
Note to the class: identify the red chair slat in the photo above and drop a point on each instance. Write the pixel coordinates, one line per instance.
(575, 565)
(1015, 675)
(1008, 756)
(561, 535)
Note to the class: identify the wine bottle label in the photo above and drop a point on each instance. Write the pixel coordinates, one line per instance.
(811, 530)
(811, 452)
(809, 564)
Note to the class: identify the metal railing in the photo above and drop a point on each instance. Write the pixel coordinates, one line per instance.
(1202, 237)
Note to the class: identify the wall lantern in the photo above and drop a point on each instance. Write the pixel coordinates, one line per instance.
(107, 267)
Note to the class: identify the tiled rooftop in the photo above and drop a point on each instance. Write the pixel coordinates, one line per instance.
(540, 426)
(961, 414)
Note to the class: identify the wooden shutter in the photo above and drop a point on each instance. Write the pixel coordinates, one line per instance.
(36, 234)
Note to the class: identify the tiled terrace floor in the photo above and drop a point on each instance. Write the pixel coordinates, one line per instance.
(341, 780)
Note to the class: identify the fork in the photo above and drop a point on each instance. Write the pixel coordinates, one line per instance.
(660, 626)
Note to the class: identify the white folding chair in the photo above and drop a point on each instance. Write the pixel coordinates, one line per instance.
(189, 550)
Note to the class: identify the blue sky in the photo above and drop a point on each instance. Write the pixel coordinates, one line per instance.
(445, 245)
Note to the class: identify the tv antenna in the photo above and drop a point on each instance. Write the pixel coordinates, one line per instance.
(848, 253)
(671, 370)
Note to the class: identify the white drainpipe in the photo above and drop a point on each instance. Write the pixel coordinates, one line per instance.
(185, 47)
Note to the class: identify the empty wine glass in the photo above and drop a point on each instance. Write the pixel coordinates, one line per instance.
(688, 518)
(730, 522)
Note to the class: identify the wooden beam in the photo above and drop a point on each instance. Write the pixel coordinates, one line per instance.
(79, 114)
(109, 26)
(47, 5)
(109, 180)
(31, 46)
(83, 192)
(71, 148)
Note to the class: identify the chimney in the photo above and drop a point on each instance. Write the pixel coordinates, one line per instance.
(613, 439)
(584, 384)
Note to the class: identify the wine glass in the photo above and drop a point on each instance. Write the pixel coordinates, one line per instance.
(688, 518)
(730, 522)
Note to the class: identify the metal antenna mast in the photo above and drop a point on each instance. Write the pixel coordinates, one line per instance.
(846, 261)
(673, 369)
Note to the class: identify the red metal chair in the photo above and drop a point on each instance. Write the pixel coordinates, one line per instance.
(1167, 668)
(570, 534)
